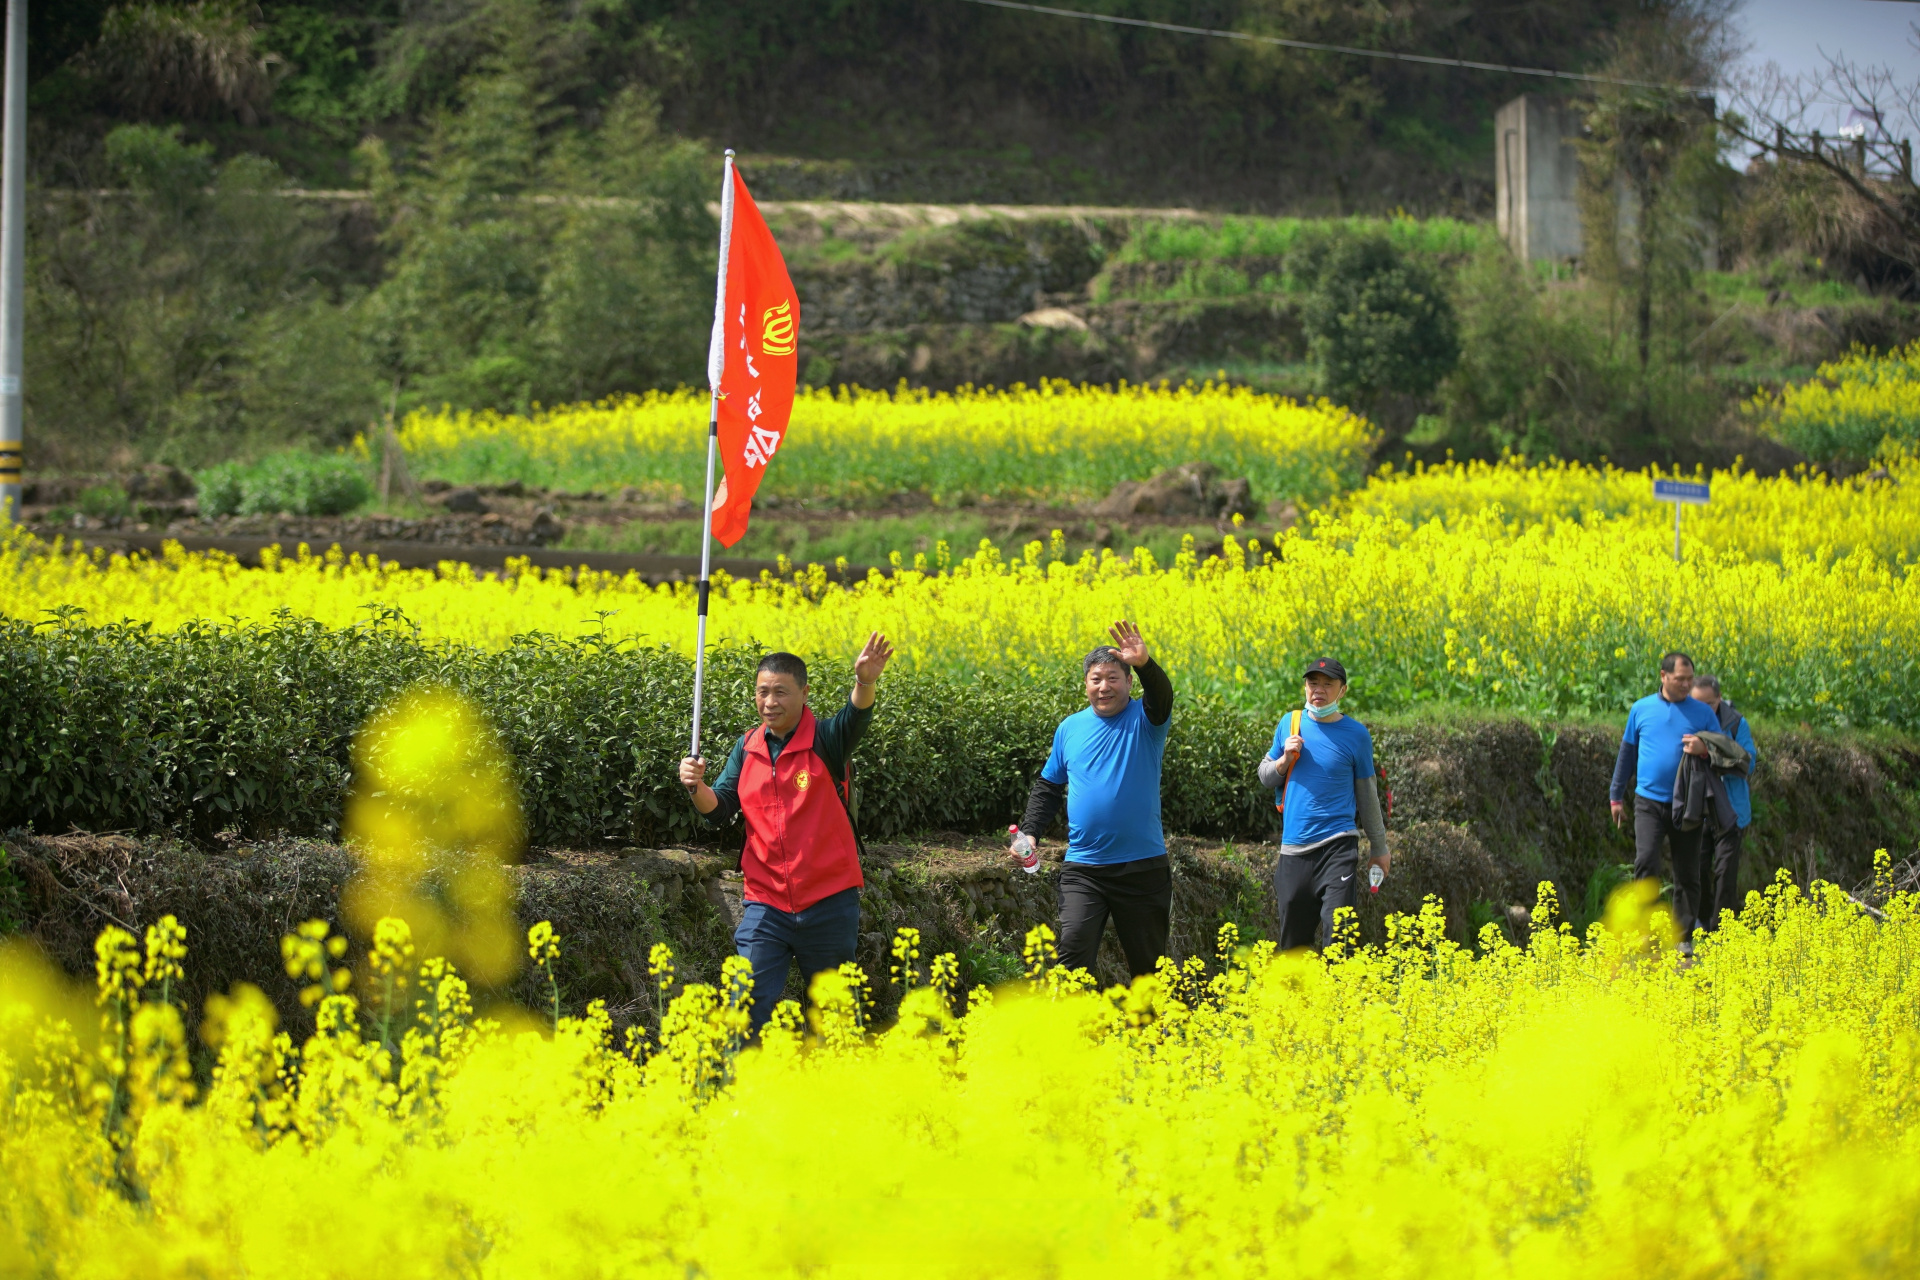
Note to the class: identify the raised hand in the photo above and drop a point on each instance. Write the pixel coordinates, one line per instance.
(873, 659)
(693, 772)
(867, 667)
(1128, 644)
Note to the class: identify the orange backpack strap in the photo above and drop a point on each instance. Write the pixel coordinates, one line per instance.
(1280, 793)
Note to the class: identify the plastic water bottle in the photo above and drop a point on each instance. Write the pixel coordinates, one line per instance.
(1025, 850)
(1375, 874)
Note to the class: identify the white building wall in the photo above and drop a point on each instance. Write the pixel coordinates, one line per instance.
(1537, 178)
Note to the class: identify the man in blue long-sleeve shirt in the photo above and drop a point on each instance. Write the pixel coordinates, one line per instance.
(1720, 861)
(1660, 728)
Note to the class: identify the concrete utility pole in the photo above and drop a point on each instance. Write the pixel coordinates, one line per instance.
(13, 258)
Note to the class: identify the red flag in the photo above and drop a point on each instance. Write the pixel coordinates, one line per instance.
(759, 339)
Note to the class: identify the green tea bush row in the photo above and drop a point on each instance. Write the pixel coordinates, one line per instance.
(297, 482)
(250, 727)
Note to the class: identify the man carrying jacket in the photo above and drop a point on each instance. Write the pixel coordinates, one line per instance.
(1660, 727)
(1324, 782)
(1105, 768)
(1720, 860)
(802, 862)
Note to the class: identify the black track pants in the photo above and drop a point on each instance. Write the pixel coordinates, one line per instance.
(1653, 822)
(1139, 897)
(1720, 874)
(1309, 887)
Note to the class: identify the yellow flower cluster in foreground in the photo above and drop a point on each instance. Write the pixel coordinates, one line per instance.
(1053, 441)
(1591, 1108)
(1796, 593)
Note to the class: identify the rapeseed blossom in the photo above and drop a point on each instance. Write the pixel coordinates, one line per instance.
(1549, 589)
(1054, 441)
(1596, 1106)
(1859, 406)
(1806, 514)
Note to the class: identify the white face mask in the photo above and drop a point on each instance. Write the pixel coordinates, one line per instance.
(1327, 712)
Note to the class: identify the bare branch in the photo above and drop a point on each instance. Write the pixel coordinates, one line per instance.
(1868, 156)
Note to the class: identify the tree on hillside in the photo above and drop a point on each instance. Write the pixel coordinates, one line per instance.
(536, 260)
(968, 102)
(1651, 177)
(183, 62)
(1379, 323)
(182, 307)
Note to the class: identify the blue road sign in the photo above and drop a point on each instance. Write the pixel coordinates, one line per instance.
(1680, 491)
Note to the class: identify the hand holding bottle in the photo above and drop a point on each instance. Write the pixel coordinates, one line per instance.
(1025, 851)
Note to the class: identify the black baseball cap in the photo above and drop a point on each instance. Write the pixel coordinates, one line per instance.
(1326, 667)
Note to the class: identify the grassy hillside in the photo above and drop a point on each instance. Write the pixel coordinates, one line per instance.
(892, 99)
(273, 224)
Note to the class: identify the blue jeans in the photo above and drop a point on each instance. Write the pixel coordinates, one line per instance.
(821, 937)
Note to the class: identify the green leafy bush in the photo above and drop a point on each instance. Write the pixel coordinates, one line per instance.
(1376, 319)
(1543, 372)
(250, 727)
(103, 500)
(13, 897)
(304, 484)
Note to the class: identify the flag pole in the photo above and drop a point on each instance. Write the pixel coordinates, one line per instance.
(716, 365)
(13, 260)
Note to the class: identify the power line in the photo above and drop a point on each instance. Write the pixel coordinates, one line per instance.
(1426, 59)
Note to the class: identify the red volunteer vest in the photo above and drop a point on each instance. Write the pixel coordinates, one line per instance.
(800, 845)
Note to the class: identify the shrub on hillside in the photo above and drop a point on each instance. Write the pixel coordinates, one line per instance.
(179, 303)
(1542, 372)
(1377, 320)
(304, 484)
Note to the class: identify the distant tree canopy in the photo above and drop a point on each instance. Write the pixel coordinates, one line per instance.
(987, 96)
(520, 249)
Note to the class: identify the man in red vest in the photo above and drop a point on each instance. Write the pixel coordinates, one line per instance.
(802, 863)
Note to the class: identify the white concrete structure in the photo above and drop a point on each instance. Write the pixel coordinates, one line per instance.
(1537, 178)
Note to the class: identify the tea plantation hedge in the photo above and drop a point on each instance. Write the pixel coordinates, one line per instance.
(250, 727)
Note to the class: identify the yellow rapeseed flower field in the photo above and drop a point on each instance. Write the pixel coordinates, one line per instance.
(1055, 441)
(1592, 1107)
(1858, 406)
(1766, 518)
(1548, 589)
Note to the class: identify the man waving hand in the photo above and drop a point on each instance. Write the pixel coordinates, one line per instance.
(1105, 768)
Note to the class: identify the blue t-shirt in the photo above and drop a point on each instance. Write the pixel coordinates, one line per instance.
(1111, 768)
(1319, 801)
(1654, 728)
(1739, 793)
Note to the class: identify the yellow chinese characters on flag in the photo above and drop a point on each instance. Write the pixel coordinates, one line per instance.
(762, 332)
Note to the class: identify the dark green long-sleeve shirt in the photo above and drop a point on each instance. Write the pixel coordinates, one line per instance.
(834, 739)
